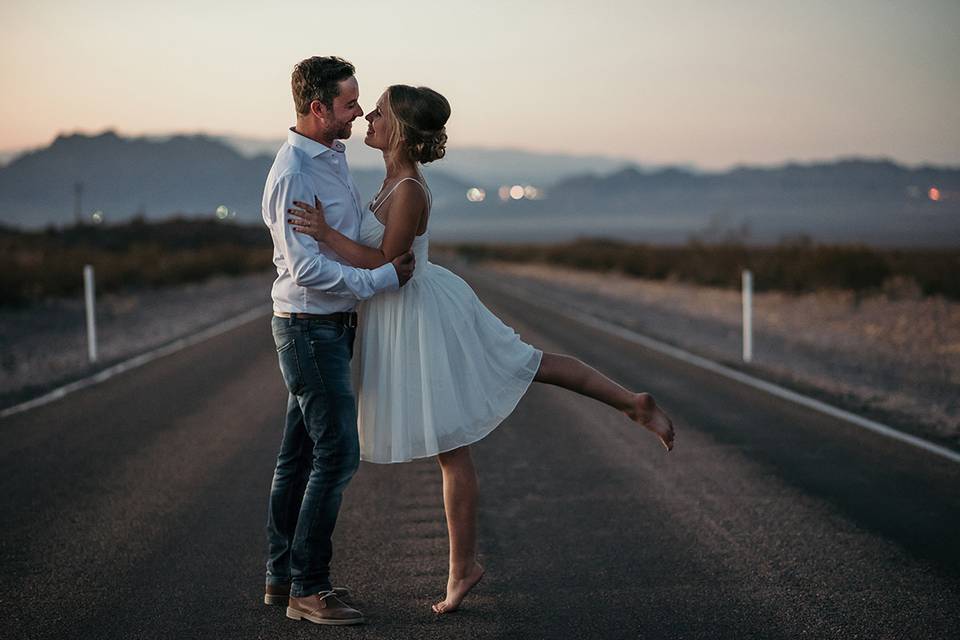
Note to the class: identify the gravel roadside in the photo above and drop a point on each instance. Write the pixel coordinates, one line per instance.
(44, 346)
(891, 358)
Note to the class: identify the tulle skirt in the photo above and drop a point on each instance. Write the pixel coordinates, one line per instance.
(434, 368)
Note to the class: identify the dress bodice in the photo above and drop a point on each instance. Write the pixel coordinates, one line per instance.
(371, 235)
(371, 229)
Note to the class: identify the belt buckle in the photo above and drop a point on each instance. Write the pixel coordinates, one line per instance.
(351, 321)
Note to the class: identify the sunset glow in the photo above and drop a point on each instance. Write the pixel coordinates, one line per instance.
(713, 84)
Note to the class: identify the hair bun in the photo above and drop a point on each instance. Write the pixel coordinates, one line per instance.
(421, 114)
(432, 147)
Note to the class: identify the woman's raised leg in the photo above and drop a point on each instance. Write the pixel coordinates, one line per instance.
(460, 498)
(570, 373)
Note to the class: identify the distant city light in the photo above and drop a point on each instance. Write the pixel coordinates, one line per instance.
(97, 217)
(519, 192)
(530, 192)
(934, 194)
(476, 194)
(222, 212)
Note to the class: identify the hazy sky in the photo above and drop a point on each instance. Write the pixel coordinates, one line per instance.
(711, 82)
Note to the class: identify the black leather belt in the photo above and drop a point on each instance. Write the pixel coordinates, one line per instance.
(346, 318)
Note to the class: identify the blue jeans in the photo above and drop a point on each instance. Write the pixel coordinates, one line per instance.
(319, 453)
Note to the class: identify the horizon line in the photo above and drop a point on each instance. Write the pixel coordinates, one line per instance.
(14, 153)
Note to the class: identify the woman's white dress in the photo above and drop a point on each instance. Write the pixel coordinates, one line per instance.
(435, 369)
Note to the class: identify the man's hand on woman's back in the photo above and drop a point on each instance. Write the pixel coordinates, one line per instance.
(404, 264)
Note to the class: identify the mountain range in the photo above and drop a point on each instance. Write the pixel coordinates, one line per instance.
(478, 166)
(849, 200)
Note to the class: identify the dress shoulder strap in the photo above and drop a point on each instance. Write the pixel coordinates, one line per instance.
(399, 182)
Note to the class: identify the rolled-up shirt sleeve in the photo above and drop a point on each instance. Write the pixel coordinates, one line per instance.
(310, 268)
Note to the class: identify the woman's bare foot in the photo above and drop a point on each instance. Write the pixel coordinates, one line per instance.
(646, 412)
(457, 589)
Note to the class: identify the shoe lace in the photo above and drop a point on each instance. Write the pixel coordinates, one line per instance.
(323, 595)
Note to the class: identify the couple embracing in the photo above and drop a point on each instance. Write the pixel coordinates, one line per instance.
(436, 370)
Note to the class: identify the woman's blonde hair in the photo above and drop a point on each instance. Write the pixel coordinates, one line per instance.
(419, 116)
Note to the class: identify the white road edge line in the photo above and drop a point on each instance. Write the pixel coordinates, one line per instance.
(140, 360)
(698, 361)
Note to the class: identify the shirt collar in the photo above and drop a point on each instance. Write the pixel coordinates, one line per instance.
(311, 147)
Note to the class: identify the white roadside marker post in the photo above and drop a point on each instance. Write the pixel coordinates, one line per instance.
(91, 317)
(747, 315)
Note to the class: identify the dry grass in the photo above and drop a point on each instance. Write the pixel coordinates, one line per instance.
(35, 266)
(796, 265)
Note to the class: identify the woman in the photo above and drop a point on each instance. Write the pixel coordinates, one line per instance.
(437, 370)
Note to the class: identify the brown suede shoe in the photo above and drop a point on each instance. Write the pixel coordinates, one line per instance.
(280, 593)
(323, 608)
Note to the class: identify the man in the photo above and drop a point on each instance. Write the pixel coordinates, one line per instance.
(313, 327)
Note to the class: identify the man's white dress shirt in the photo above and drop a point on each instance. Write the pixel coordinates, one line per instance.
(310, 278)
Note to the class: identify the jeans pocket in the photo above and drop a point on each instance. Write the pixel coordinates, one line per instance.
(330, 357)
(290, 366)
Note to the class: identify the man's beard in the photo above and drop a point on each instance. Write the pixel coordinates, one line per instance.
(344, 131)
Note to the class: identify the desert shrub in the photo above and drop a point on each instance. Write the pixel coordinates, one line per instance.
(35, 265)
(794, 265)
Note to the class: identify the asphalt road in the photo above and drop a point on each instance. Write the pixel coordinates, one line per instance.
(136, 509)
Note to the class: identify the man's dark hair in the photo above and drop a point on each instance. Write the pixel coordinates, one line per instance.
(318, 78)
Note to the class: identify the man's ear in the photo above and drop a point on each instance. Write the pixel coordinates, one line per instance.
(319, 109)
